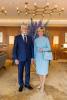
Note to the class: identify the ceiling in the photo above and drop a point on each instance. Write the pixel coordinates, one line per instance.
(11, 6)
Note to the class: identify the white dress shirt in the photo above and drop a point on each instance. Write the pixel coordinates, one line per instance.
(23, 36)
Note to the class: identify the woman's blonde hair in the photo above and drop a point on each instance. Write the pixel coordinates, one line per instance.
(40, 28)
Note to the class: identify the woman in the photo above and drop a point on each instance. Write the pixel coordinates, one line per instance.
(41, 44)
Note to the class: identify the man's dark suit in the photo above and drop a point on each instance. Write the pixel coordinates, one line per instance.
(23, 52)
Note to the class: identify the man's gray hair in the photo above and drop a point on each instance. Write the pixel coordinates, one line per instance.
(24, 25)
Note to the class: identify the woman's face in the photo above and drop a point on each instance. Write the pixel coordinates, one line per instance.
(40, 32)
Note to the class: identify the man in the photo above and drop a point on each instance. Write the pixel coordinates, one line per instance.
(23, 53)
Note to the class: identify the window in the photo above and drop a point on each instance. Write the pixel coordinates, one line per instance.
(11, 39)
(1, 37)
(56, 40)
(65, 37)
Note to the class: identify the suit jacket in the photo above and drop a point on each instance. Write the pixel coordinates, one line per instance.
(21, 50)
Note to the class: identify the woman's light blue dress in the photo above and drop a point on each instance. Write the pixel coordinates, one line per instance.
(41, 63)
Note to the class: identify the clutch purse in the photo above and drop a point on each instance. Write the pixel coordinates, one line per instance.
(47, 55)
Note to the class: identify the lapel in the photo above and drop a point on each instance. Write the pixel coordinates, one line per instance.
(27, 39)
(21, 37)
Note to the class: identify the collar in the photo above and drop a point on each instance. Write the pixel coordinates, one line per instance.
(23, 34)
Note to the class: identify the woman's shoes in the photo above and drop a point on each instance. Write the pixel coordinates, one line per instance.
(42, 91)
(38, 87)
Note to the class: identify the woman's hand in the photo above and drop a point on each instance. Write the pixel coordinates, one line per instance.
(41, 50)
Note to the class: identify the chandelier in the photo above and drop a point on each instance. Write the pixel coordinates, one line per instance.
(38, 10)
(3, 11)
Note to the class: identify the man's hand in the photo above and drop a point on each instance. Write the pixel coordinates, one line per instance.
(16, 61)
(32, 61)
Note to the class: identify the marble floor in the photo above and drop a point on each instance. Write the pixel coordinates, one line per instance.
(55, 86)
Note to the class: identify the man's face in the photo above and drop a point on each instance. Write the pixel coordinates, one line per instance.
(24, 29)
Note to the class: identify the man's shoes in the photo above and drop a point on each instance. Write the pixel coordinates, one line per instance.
(29, 87)
(20, 88)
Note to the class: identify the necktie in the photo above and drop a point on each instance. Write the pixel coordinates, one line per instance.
(25, 38)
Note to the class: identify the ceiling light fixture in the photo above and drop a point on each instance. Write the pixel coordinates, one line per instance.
(3, 10)
(38, 10)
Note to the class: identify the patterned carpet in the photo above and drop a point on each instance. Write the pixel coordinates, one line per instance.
(55, 86)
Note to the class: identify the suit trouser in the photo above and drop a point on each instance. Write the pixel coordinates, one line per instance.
(21, 66)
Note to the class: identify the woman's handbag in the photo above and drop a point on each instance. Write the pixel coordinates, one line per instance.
(47, 55)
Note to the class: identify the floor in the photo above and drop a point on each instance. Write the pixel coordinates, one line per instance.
(55, 86)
